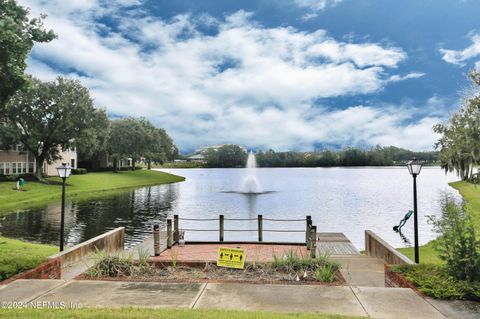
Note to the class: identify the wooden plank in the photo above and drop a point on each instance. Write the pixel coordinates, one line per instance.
(335, 244)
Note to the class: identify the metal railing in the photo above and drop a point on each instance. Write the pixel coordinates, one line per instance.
(173, 229)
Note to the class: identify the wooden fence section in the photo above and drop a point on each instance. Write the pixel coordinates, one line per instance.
(378, 248)
(173, 230)
(110, 241)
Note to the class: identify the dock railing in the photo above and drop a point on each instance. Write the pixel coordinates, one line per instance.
(173, 229)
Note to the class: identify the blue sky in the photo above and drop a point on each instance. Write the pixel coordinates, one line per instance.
(288, 75)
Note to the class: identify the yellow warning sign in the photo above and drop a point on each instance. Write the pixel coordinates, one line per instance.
(231, 257)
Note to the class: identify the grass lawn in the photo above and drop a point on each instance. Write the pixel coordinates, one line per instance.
(426, 252)
(17, 256)
(79, 186)
(140, 313)
(471, 193)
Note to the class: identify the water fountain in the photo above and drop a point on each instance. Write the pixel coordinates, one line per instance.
(250, 183)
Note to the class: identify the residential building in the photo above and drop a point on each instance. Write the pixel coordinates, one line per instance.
(17, 160)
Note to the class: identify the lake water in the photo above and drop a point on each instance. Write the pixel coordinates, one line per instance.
(347, 200)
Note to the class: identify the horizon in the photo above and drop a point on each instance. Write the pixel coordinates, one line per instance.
(299, 75)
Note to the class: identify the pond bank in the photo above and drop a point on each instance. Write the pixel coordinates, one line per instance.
(17, 256)
(91, 185)
(471, 194)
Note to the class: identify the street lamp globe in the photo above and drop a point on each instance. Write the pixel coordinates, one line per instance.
(414, 167)
(64, 170)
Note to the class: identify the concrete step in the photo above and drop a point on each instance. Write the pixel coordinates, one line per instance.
(362, 270)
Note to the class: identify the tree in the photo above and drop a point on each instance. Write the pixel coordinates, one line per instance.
(47, 117)
(134, 138)
(127, 139)
(459, 143)
(93, 141)
(226, 156)
(18, 33)
(160, 147)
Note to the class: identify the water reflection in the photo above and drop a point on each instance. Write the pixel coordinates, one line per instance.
(137, 210)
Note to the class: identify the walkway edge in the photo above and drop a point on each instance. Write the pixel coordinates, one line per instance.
(197, 297)
(361, 304)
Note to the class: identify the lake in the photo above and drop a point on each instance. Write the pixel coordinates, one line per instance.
(347, 200)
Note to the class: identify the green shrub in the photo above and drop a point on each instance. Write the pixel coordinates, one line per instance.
(434, 281)
(111, 265)
(326, 272)
(79, 171)
(457, 244)
(323, 267)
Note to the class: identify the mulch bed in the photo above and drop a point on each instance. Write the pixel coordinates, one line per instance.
(209, 272)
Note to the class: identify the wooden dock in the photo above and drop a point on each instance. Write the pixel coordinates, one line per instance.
(335, 244)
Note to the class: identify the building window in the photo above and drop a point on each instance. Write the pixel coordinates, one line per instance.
(72, 163)
(31, 167)
(2, 168)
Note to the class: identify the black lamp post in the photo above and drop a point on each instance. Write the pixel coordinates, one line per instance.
(64, 173)
(414, 168)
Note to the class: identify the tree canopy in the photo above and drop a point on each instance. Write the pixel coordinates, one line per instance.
(18, 33)
(47, 117)
(226, 156)
(134, 138)
(459, 143)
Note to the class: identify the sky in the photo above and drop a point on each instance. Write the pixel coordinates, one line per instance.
(296, 75)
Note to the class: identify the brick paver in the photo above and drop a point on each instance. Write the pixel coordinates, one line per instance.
(208, 252)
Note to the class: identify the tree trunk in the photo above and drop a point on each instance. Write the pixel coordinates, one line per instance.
(149, 164)
(133, 165)
(115, 165)
(38, 168)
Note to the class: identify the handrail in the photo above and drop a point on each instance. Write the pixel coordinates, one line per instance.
(173, 233)
(285, 220)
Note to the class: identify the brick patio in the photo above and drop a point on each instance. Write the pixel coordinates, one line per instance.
(208, 252)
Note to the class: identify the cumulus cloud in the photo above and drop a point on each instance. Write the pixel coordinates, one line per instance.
(460, 56)
(241, 83)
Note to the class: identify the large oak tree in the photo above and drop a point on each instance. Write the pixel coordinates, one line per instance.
(48, 117)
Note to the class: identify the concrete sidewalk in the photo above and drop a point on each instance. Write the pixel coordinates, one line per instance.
(374, 302)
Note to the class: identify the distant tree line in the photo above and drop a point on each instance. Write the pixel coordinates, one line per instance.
(377, 156)
(235, 156)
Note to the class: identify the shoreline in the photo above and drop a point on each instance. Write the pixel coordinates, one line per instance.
(79, 187)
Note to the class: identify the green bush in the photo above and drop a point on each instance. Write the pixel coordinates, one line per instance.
(325, 273)
(457, 244)
(79, 171)
(111, 265)
(323, 267)
(434, 281)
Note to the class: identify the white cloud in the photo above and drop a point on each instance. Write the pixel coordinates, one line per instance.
(459, 57)
(315, 6)
(413, 75)
(244, 83)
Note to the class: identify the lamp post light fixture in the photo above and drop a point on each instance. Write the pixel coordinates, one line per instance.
(64, 173)
(414, 168)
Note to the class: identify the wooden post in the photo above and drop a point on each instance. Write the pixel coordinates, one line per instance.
(220, 228)
(260, 228)
(175, 229)
(156, 239)
(307, 231)
(169, 233)
(313, 241)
